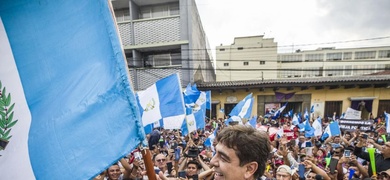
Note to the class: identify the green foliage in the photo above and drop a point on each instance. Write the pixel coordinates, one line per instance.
(6, 114)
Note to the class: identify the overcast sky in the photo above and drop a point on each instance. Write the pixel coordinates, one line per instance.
(298, 22)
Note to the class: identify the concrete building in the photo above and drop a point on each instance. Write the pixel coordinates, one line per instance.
(248, 58)
(330, 62)
(162, 37)
(328, 95)
(256, 58)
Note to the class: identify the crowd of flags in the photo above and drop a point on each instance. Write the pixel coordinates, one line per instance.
(72, 93)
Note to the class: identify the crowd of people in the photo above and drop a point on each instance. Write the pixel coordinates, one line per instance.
(244, 152)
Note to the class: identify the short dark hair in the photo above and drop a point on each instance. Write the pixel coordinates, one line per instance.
(197, 165)
(249, 145)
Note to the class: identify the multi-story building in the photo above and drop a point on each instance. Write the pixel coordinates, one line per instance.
(327, 62)
(329, 78)
(256, 58)
(248, 58)
(162, 37)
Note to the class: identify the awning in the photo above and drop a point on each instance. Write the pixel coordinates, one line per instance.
(361, 98)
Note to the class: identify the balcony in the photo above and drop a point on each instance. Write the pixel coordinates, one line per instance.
(150, 31)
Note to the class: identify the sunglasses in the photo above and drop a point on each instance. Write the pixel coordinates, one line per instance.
(384, 175)
(160, 160)
(310, 177)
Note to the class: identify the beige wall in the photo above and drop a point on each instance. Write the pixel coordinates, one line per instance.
(254, 49)
(318, 96)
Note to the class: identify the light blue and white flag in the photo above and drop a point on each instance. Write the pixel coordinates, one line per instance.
(279, 111)
(306, 115)
(312, 109)
(163, 100)
(191, 94)
(242, 110)
(387, 118)
(252, 122)
(291, 113)
(73, 109)
(295, 120)
(334, 129)
(209, 141)
(326, 133)
(208, 100)
(317, 125)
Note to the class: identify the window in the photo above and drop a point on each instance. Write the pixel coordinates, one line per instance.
(240, 48)
(159, 11)
(334, 56)
(246, 63)
(347, 55)
(384, 54)
(262, 62)
(225, 64)
(221, 49)
(122, 15)
(363, 69)
(312, 72)
(167, 59)
(290, 58)
(384, 105)
(348, 70)
(334, 71)
(331, 107)
(365, 55)
(290, 73)
(314, 57)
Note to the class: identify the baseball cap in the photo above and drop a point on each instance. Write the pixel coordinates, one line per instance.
(385, 172)
(285, 169)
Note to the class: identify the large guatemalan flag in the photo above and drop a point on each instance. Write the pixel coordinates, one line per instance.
(67, 107)
(163, 101)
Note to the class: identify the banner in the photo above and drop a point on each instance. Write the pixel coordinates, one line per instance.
(352, 114)
(352, 124)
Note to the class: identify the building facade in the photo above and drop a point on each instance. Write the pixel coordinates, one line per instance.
(162, 37)
(326, 62)
(256, 58)
(328, 95)
(248, 58)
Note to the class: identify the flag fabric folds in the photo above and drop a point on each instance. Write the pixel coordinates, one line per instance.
(163, 100)
(306, 115)
(242, 110)
(279, 111)
(209, 141)
(317, 125)
(387, 118)
(252, 122)
(191, 94)
(79, 113)
(334, 129)
(295, 120)
(208, 100)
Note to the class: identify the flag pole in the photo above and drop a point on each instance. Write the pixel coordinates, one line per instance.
(148, 163)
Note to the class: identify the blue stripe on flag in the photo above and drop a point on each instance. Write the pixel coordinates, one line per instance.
(76, 83)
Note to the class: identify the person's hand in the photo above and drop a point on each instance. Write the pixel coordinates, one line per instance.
(332, 176)
(373, 177)
(136, 163)
(283, 150)
(343, 160)
(370, 141)
(353, 160)
(308, 164)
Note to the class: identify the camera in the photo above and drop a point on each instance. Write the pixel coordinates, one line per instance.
(193, 152)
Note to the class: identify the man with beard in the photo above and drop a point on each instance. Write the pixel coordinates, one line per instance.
(241, 153)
